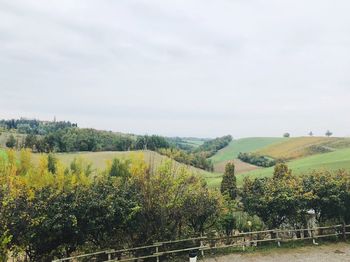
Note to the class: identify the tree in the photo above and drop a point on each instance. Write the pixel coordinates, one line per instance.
(274, 201)
(228, 184)
(51, 163)
(11, 141)
(281, 171)
(30, 141)
(286, 135)
(329, 133)
(311, 133)
(119, 168)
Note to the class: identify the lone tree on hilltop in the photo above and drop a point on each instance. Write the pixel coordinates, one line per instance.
(329, 133)
(311, 134)
(286, 135)
(229, 184)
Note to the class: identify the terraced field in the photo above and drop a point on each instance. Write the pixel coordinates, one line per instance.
(298, 147)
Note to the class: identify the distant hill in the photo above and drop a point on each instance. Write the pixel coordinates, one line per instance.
(299, 147)
(339, 159)
(303, 154)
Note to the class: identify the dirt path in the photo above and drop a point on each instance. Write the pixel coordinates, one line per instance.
(240, 166)
(327, 253)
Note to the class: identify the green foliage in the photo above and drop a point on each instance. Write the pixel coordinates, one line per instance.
(151, 142)
(281, 171)
(228, 184)
(11, 141)
(51, 163)
(5, 239)
(194, 159)
(119, 168)
(49, 214)
(210, 147)
(285, 199)
(256, 160)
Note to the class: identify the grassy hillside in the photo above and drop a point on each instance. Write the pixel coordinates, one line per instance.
(299, 147)
(243, 145)
(339, 159)
(230, 152)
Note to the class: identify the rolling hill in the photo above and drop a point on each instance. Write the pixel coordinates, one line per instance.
(231, 152)
(299, 147)
(303, 154)
(339, 159)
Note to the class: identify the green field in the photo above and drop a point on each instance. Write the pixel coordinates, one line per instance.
(243, 145)
(339, 159)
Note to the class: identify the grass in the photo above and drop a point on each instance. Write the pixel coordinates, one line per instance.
(243, 145)
(299, 147)
(336, 160)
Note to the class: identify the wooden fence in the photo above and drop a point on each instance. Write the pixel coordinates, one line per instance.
(160, 250)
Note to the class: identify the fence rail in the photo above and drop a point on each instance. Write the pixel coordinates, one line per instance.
(205, 243)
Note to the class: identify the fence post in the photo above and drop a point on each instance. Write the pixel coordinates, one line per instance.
(278, 241)
(201, 245)
(157, 253)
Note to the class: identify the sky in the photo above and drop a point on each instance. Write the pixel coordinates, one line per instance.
(179, 68)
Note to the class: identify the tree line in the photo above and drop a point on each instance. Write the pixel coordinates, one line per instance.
(45, 137)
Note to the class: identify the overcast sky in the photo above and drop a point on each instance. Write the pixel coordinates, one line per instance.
(179, 67)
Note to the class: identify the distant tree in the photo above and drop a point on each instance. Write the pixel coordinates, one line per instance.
(51, 163)
(311, 134)
(11, 141)
(286, 135)
(229, 184)
(30, 141)
(329, 133)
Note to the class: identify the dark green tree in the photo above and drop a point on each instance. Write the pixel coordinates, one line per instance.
(51, 163)
(286, 135)
(229, 184)
(119, 168)
(329, 133)
(11, 141)
(30, 141)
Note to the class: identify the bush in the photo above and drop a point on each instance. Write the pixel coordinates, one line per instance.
(256, 159)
